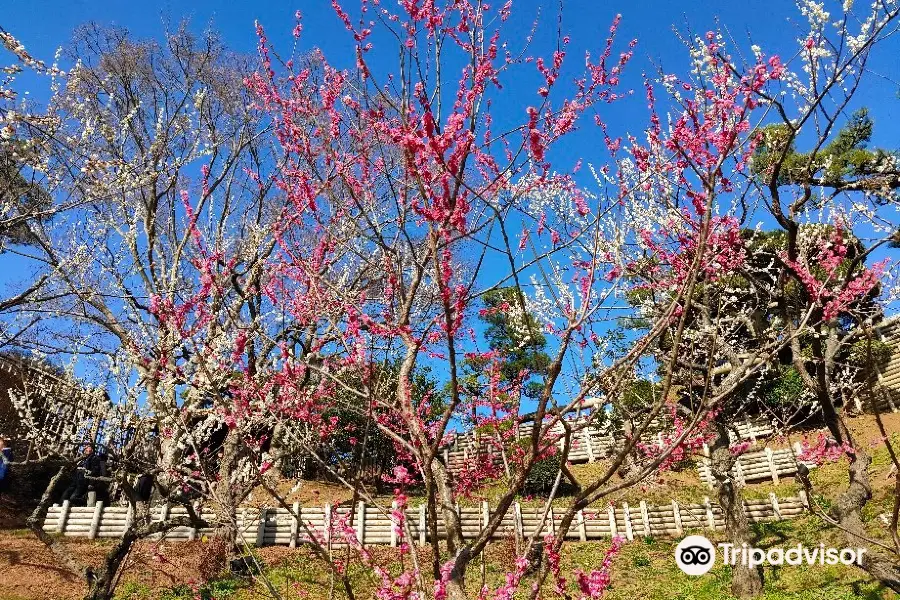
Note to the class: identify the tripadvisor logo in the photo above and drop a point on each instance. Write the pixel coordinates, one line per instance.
(696, 555)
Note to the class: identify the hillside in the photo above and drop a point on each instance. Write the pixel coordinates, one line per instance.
(645, 568)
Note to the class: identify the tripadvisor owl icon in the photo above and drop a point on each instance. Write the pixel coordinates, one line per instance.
(695, 555)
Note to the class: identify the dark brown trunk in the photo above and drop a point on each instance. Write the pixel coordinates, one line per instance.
(847, 510)
(746, 581)
(218, 552)
(103, 582)
(53, 543)
(456, 545)
(456, 583)
(629, 464)
(222, 545)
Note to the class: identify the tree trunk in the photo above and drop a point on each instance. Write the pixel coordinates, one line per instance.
(456, 583)
(847, 510)
(223, 543)
(103, 582)
(629, 463)
(746, 581)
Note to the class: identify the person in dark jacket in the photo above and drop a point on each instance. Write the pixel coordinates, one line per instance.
(5, 459)
(143, 488)
(89, 465)
(102, 487)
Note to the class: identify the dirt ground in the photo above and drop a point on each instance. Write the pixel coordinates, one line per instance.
(28, 571)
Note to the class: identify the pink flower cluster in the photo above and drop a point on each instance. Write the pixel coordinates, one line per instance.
(833, 292)
(823, 450)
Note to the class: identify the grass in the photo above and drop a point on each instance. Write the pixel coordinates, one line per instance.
(645, 568)
(683, 485)
(221, 589)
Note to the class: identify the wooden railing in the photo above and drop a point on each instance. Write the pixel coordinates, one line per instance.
(757, 466)
(374, 525)
(588, 444)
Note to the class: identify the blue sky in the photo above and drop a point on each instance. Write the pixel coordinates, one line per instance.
(46, 23)
(774, 25)
(43, 25)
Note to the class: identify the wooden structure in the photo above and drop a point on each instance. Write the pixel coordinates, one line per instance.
(373, 525)
(887, 393)
(757, 466)
(57, 414)
(751, 430)
(589, 442)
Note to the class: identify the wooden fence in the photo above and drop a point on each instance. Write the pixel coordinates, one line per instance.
(57, 413)
(587, 445)
(887, 392)
(756, 466)
(752, 430)
(373, 525)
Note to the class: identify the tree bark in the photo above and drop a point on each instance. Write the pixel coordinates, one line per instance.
(223, 543)
(847, 510)
(746, 581)
(629, 463)
(103, 582)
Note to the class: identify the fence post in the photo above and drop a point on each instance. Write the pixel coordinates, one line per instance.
(517, 513)
(798, 449)
(775, 508)
(261, 527)
(552, 521)
(750, 429)
(198, 510)
(129, 517)
(804, 499)
(95, 522)
(423, 532)
(710, 515)
(611, 514)
(629, 532)
(739, 471)
(645, 519)
(163, 515)
(586, 434)
(582, 528)
(361, 523)
(708, 462)
(394, 525)
(326, 524)
(295, 524)
(63, 517)
(192, 531)
(770, 456)
(92, 498)
(485, 514)
(677, 512)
